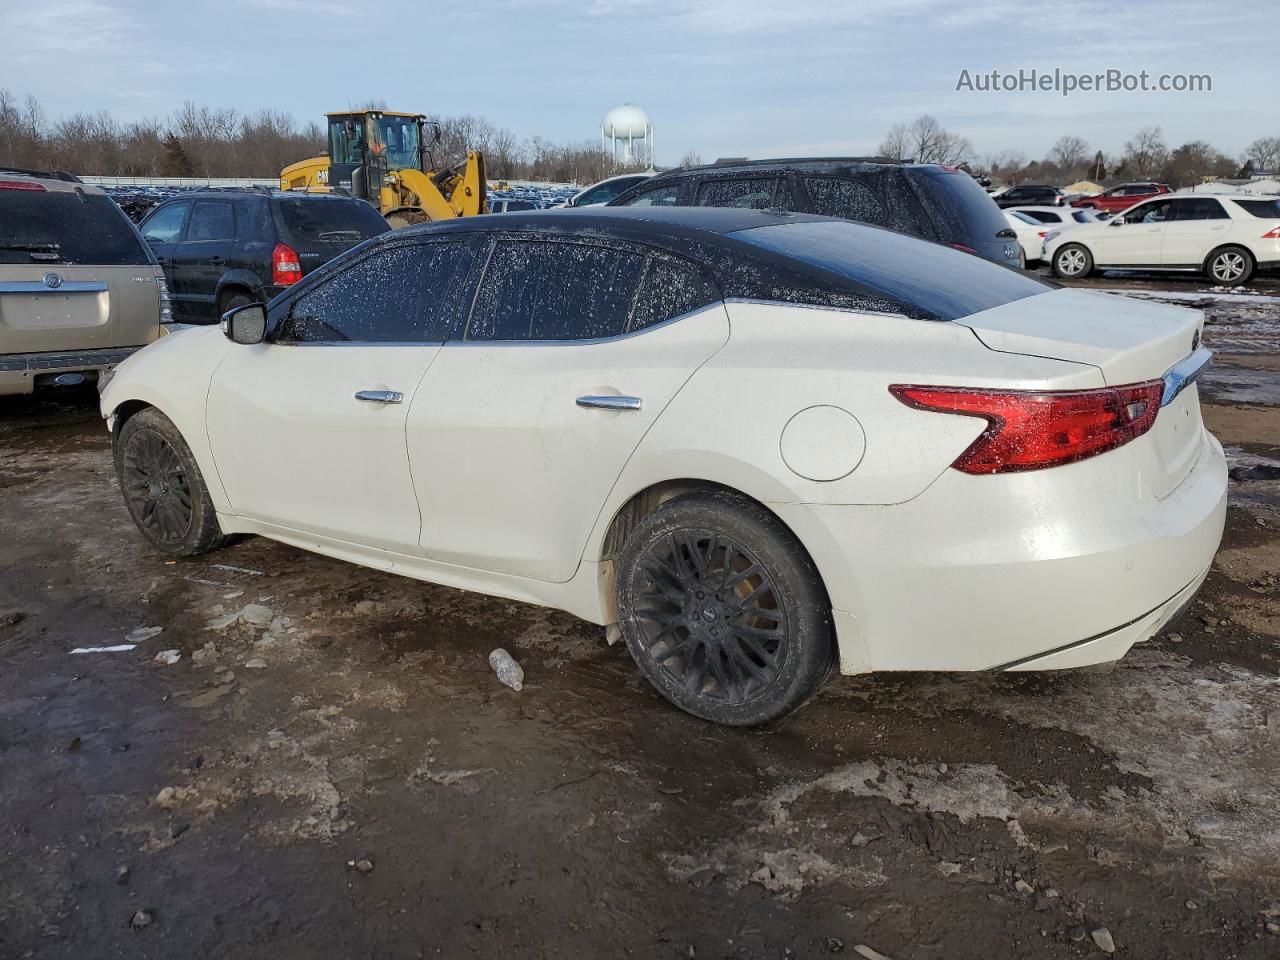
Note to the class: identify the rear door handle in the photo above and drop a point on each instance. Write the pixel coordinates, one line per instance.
(217, 261)
(380, 396)
(163, 261)
(610, 402)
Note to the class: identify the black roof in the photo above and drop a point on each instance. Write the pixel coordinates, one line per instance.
(223, 193)
(812, 164)
(901, 274)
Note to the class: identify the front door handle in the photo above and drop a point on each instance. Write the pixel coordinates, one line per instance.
(380, 396)
(610, 402)
(217, 261)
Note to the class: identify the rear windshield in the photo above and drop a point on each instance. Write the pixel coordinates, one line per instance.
(338, 221)
(962, 210)
(939, 281)
(66, 227)
(1265, 209)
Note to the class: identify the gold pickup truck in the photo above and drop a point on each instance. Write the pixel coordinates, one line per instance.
(79, 289)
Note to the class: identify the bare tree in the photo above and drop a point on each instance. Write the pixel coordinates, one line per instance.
(691, 159)
(1069, 153)
(925, 141)
(1146, 153)
(1265, 154)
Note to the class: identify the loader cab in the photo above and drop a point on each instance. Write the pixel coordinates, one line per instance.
(366, 145)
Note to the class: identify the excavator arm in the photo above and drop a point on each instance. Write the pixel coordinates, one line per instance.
(456, 192)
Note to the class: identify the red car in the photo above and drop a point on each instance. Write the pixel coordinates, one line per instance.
(1123, 196)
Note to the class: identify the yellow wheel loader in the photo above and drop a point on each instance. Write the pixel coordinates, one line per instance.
(385, 157)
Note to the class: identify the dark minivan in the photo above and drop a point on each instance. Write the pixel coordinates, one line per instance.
(923, 200)
(221, 249)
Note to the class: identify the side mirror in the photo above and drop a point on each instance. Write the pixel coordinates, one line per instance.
(247, 324)
(1117, 221)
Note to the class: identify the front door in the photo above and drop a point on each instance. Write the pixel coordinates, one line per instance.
(1135, 240)
(528, 416)
(308, 431)
(163, 231)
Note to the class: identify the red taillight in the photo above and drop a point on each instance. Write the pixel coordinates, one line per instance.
(961, 246)
(1272, 234)
(22, 185)
(1032, 429)
(1043, 232)
(286, 268)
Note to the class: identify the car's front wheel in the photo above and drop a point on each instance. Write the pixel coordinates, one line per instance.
(723, 610)
(163, 487)
(1230, 265)
(1072, 261)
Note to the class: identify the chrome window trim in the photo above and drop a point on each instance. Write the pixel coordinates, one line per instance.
(1184, 373)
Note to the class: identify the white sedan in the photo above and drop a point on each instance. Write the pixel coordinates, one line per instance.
(1031, 233)
(1227, 237)
(1059, 217)
(757, 445)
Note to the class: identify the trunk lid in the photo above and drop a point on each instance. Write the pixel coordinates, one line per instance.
(1129, 341)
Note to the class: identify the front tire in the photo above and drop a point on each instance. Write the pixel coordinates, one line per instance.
(723, 610)
(162, 486)
(1230, 265)
(1072, 262)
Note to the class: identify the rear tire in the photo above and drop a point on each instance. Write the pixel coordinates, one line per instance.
(1230, 265)
(162, 486)
(723, 610)
(1072, 261)
(232, 299)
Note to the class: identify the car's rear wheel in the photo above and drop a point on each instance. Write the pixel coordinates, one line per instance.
(162, 486)
(232, 299)
(723, 610)
(1073, 261)
(1233, 265)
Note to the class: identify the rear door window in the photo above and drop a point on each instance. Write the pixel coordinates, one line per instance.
(211, 220)
(555, 290)
(847, 199)
(671, 288)
(399, 294)
(166, 224)
(755, 193)
(66, 226)
(1200, 208)
(667, 196)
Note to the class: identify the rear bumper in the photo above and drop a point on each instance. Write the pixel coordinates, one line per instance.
(1043, 570)
(19, 372)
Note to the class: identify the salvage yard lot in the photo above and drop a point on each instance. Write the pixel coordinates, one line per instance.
(331, 768)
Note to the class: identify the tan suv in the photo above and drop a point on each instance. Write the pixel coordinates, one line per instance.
(79, 289)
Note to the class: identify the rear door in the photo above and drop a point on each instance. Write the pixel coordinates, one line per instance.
(74, 274)
(753, 193)
(1195, 226)
(203, 254)
(526, 419)
(308, 431)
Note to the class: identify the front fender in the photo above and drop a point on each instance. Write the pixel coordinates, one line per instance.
(173, 375)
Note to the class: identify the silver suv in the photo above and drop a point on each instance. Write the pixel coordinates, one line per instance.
(79, 290)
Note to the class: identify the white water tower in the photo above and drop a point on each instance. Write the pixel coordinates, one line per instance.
(630, 129)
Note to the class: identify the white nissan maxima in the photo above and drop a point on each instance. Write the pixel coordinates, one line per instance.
(762, 445)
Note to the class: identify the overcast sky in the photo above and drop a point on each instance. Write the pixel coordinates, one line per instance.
(752, 78)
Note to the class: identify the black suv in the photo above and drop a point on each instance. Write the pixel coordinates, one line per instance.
(923, 200)
(224, 248)
(1031, 195)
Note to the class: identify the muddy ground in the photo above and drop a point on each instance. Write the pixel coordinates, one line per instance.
(335, 772)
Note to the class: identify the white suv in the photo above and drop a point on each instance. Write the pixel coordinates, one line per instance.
(1226, 236)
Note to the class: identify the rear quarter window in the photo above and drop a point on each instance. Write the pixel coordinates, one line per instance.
(960, 208)
(71, 227)
(939, 282)
(313, 220)
(1263, 209)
